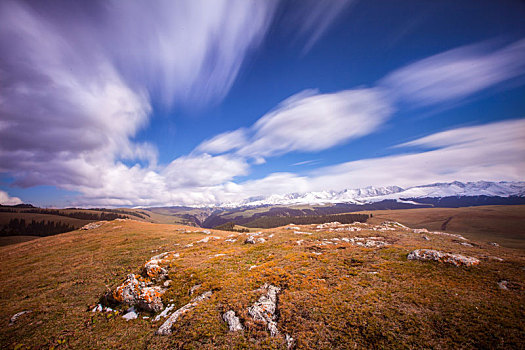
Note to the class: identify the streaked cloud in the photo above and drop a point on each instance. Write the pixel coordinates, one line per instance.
(310, 19)
(494, 151)
(224, 142)
(308, 122)
(78, 81)
(456, 74)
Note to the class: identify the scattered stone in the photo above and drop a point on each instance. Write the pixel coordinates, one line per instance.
(289, 341)
(264, 309)
(234, 324)
(189, 245)
(135, 291)
(302, 233)
(249, 240)
(420, 230)
(466, 244)
(430, 254)
(299, 242)
(167, 283)
(271, 236)
(101, 308)
(231, 240)
(367, 242)
(152, 268)
(425, 238)
(93, 225)
(503, 284)
(394, 223)
(131, 314)
(496, 258)
(218, 255)
(164, 312)
(494, 244)
(261, 240)
(204, 240)
(194, 288)
(165, 329)
(252, 267)
(448, 234)
(206, 232)
(145, 317)
(15, 317)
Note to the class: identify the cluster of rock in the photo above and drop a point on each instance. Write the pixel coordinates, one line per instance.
(16, 316)
(253, 239)
(93, 225)
(366, 242)
(435, 255)
(358, 226)
(165, 328)
(157, 267)
(338, 227)
(263, 310)
(424, 230)
(140, 292)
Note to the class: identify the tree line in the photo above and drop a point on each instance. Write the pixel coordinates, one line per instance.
(229, 226)
(19, 227)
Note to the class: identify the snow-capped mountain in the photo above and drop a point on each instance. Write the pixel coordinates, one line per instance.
(375, 194)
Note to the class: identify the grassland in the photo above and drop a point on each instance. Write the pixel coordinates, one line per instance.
(333, 296)
(503, 224)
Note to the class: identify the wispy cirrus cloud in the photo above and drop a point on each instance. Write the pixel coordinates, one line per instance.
(308, 122)
(78, 81)
(456, 74)
(494, 152)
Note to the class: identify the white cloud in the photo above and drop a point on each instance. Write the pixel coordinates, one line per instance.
(312, 18)
(456, 74)
(5, 199)
(494, 151)
(77, 82)
(224, 142)
(311, 122)
(203, 170)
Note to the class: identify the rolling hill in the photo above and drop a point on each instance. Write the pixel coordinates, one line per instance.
(324, 286)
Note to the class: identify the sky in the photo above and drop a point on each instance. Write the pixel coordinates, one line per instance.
(202, 102)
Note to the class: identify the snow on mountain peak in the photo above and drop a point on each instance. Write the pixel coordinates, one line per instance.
(374, 194)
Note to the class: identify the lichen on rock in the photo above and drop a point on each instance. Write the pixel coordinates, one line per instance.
(434, 255)
(138, 291)
(265, 308)
(234, 324)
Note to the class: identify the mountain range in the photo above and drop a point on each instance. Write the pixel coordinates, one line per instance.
(371, 194)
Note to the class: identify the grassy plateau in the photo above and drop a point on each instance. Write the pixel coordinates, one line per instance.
(334, 294)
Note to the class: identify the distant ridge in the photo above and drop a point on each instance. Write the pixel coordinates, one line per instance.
(372, 194)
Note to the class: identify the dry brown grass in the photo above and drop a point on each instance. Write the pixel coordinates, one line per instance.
(347, 297)
(504, 224)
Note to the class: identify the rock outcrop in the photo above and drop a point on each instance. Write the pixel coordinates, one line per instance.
(156, 267)
(93, 225)
(165, 329)
(137, 291)
(265, 308)
(234, 324)
(15, 317)
(434, 255)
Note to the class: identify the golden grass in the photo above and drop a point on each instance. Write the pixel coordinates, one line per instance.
(504, 224)
(347, 297)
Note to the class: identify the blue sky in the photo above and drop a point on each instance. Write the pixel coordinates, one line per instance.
(200, 102)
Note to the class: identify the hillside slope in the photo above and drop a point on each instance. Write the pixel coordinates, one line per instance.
(336, 287)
